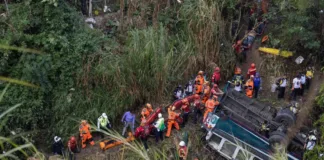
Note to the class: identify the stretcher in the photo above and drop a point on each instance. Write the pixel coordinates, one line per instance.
(107, 144)
(276, 52)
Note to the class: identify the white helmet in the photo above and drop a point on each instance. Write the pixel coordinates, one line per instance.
(182, 144)
(56, 139)
(160, 115)
(104, 115)
(312, 137)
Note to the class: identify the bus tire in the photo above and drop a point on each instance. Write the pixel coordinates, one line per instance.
(285, 117)
(277, 137)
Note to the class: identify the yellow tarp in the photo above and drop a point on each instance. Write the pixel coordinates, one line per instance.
(276, 52)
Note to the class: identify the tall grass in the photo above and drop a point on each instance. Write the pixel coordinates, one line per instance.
(8, 146)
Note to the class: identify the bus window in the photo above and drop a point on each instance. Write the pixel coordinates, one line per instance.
(228, 148)
(216, 139)
(243, 155)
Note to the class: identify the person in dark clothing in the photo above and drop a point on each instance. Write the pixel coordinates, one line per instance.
(282, 84)
(57, 147)
(142, 132)
(84, 7)
(177, 93)
(257, 84)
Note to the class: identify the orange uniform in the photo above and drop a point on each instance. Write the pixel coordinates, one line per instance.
(172, 121)
(206, 94)
(210, 106)
(85, 134)
(249, 88)
(199, 84)
(146, 112)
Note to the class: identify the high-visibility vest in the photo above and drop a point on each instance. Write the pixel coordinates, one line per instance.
(103, 121)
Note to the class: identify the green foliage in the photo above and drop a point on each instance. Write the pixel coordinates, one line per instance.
(64, 39)
(296, 26)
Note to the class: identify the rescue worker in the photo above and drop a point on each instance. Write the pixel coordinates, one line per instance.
(296, 87)
(249, 87)
(310, 142)
(237, 46)
(257, 84)
(238, 79)
(128, 120)
(160, 127)
(303, 83)
(309, 76)
(85, 133)
(142, 132)
(216, 76)
(72, 147)
(146, 111)
(206, 91)
(282, 84)
(264, 130)
(172, 120)
(57, 146)
(199, 81)
(177, 93)
(186, 109)
(216, 91)
(198, 107)
(210, 106)
(103, 122)
(189, 88)
(183, 151)
(251, 71)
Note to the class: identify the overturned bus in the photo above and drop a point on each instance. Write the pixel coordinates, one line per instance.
(236, 129)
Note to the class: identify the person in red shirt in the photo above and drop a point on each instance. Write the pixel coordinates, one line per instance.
(216, 76)
(72, 147)
(186, 109)
(142, 132)
(251, 71)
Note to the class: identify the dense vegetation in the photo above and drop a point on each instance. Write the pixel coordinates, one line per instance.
(149, 48)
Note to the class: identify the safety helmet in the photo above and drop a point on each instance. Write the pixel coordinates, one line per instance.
(148, 105)
(252, 76)
(160, 115)
(217, 69)
(185, 100)
(73, 139)
(83, 122)
(57, 139)
(104, 115)
(173, 108)
(312, 137)
(257, 74)
(196, 96)
(200, 72)
(252, 65)
(215, 86)
(238, 70)
(182, 144)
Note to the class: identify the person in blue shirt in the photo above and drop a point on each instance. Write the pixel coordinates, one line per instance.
(257, 84)
(128, 120)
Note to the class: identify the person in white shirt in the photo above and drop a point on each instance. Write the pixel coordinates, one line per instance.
(303, 83)
(296, 87)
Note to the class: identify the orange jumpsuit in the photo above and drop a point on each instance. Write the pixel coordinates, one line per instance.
(172, 121)
(249, 88)
(199, 84)
(210, 106)
(206, 94)
(146, 112)
(85, 134)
